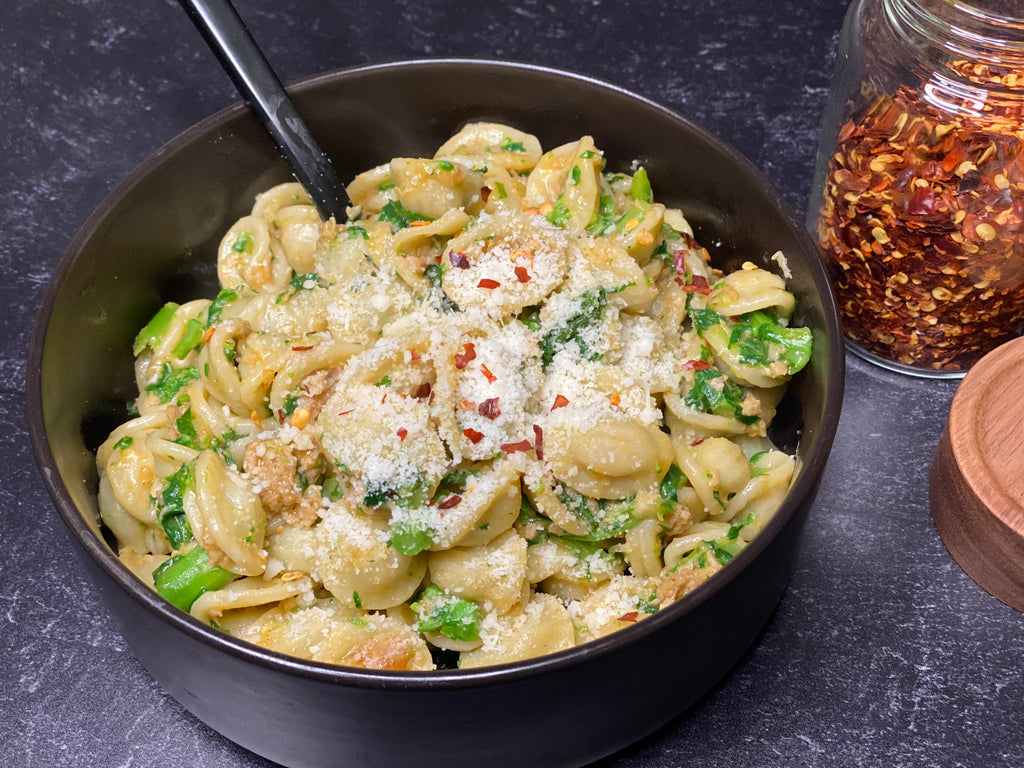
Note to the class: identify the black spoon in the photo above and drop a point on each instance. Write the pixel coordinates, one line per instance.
(228, 37)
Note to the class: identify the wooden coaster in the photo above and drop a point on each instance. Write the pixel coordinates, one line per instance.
(977, 478)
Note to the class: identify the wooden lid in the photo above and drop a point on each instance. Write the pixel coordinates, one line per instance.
(977, 477)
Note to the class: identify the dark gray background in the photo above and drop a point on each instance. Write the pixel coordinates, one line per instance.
(882, 652)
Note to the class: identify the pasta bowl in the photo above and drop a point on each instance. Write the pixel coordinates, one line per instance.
(154, 240)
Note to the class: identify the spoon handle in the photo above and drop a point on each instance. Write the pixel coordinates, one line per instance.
(230, 40)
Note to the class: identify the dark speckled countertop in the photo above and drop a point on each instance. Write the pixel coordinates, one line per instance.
(881, 653)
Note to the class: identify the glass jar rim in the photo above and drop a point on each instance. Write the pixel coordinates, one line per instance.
(965, 28)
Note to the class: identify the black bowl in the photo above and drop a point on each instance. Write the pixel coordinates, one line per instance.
(154, 240)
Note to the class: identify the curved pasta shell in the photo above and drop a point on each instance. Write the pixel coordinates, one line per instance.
(226, 517)
(541, 627)
(615, 459)
(246, 257)
(247, 593)
(131, 474)
(716, 468)
(354, 557)
(334, 635)
(615, 267)
(747, 290)
(489, 507)
(494, 573)
(299, 232)
(611, 606)
(371, 190)
(434, 189)
(494, 144)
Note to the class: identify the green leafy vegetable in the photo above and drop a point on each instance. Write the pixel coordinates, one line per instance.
(183, 578)
(190, 339)
(560, 214)
(714, 393)
(640, 188)
(170, 380)
(171, 513)
(435, 274)
(398, 216)
(216, 308)
(512, 146)
(155, 329)
(592, 305)
(673, 480)
(410, 537)
(451, 616)
(186, 427)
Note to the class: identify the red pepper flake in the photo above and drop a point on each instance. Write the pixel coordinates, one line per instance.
(458, 260)
(614, 400)
(696, 365)
(487, 373)
(208, 333)
(467, 405)
(697, 285)
(521, 447)
(489, 408)
(302, 349)
(522, 275)
(414, 355)
(463, 359)
(560, 402)
(486, 282)
(451, 501)
(423, 390)
(473, 436)
(698, 441)
(539, 441)
(402, 432)
(485, 192)
(631, 616)
(346, 413)
(280, 416)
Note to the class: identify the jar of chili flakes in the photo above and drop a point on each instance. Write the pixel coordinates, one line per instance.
(918, 199)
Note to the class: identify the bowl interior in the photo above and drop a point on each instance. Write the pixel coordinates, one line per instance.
(154, 240)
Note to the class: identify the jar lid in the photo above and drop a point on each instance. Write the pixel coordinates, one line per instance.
(977, 477)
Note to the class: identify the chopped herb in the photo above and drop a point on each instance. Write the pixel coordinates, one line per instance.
(332, 489)
(385, 185)
(355, 232)
(170, 380)
(229, 349)
(291, 402)
(356, 600)
(755, 470)
(213, 312)
(560, 214)
(511, 146)
(574, 174)
(398, 216)
(670, 484)
(186, 427)
(502, 194)
(648, 605)
(435, 273)
(124, 442)
(301, 282)
(243, 243)
(444, 165)
(530, 317)
(704, 318)
(384, 382)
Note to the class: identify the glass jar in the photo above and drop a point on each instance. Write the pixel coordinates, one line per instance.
(918, 197)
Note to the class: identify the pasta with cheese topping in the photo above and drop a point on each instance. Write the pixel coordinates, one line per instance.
(506, 408)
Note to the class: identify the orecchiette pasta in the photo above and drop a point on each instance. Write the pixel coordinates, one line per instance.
(507, 407)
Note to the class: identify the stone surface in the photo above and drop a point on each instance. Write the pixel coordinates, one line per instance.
(882, 652)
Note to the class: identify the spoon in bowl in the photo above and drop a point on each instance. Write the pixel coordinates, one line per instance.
(233, 45)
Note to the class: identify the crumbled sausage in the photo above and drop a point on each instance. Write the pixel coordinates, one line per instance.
(682, 583)
(274, 470)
